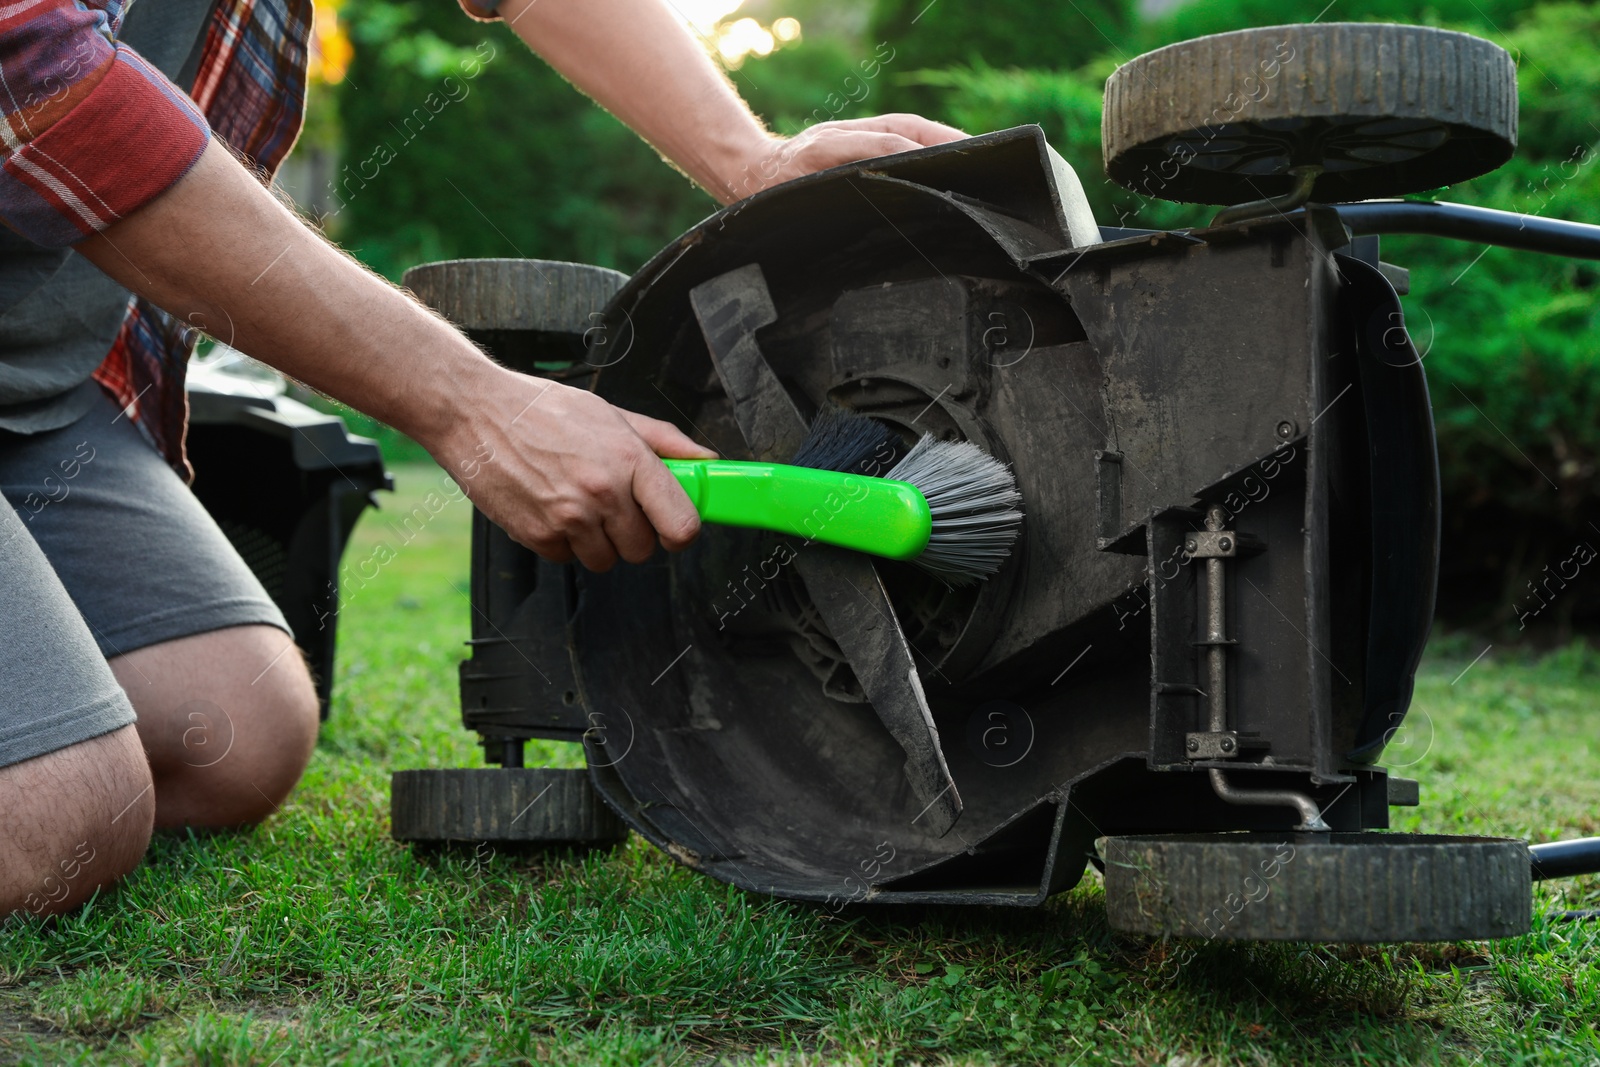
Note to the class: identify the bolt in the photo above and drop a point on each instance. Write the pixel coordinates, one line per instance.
(1227, 744)
(1189, 545)
(1225, 543)
(1194, 744)
(1285, 430)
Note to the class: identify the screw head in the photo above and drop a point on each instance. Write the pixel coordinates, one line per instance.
(1189, 545)
(1285, 430)
(1225, 543)
(1227, 744)
(1194, 745)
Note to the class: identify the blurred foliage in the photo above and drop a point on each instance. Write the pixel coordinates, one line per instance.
(1510, 337)
(456, 142)
(818, 80)
(1486, 18)
(1054, 37)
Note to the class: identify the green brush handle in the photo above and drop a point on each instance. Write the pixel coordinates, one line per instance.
(874, 515)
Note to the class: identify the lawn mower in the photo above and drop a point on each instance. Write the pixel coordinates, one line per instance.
(1187, 670)
(286, 483)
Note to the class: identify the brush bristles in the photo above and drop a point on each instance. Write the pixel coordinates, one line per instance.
(841, 440)
(974, 501)
(973, 496)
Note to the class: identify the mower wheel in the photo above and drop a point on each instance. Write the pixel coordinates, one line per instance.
(496, 806)
(1382, 110)
(1319, 887)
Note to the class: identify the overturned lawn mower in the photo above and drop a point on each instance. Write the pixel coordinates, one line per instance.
(1208, 630)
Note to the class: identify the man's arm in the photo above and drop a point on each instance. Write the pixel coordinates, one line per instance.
(564, 472)
(639, 61)
(105, 155)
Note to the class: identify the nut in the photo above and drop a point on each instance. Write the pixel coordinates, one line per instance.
(1285, 430)
(1227, 744)
(1225, 543)
(1194, 744)
(1189, 545)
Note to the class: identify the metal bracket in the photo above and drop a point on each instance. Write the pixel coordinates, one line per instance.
(1403, 792)
(1220, 544)
(1223, 744)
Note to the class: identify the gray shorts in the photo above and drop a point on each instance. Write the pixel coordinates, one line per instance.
(103, 550)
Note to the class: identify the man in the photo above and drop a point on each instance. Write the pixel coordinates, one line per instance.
(118, 595)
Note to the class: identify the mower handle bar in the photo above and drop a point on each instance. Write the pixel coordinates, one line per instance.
(1507, 229)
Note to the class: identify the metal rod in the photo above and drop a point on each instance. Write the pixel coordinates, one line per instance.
(1505, 228)
(1216, 626)
(1304, 179)
(1565, 859)
(1310, 814)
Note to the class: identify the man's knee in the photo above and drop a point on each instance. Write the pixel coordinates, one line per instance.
(229, 719)
(73, 821)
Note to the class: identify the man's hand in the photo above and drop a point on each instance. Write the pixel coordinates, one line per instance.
(830, 144)
(568, 475)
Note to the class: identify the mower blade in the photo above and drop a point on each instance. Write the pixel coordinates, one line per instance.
(731, 308)
(855, 607)
(844, 586)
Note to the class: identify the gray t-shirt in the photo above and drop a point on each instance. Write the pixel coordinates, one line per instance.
(58, 313)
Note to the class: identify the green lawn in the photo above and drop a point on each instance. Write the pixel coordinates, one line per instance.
(316, 939)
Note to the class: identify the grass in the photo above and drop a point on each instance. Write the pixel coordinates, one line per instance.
(316, 939)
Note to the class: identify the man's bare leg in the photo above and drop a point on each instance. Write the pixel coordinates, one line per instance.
(228, 719)
(73, 821)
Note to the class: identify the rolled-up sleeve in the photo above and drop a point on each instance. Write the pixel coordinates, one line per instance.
(92, 132)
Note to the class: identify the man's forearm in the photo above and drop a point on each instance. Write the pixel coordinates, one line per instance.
(558, 468)
(638, 60)
(641, 63)
(218, 251)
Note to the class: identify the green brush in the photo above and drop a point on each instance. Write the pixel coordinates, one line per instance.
(885, 518)
(947, 506)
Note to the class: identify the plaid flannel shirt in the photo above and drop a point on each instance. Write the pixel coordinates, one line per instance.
(92, 133)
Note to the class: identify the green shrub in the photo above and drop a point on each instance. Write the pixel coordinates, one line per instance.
(458, 142)
(1027, 35)
(1189, 20)
(815, 80)
(1057, 36)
